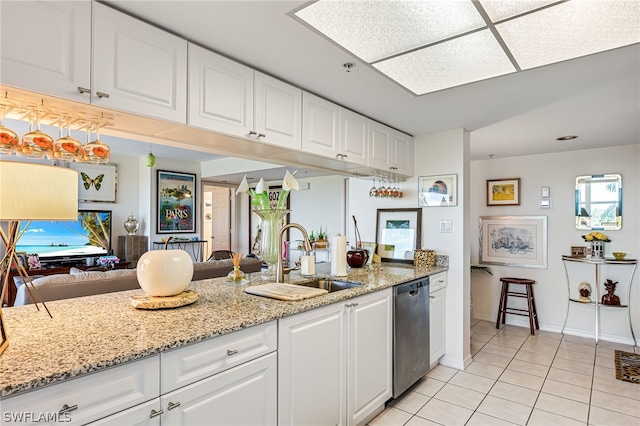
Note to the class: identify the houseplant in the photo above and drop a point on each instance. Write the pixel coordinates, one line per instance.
(321, 239)
(596, 240)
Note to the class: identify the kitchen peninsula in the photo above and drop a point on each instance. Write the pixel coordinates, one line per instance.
(93, 333)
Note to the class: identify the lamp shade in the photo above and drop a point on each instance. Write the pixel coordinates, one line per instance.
(37, 192)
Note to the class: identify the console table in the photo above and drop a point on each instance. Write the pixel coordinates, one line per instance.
(597, 263)
(199, 248)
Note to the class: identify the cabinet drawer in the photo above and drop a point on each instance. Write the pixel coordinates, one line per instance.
(88, 397)
(437, 281)
(187, 365)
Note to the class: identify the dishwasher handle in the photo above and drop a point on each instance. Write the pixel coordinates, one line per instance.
(412, 287)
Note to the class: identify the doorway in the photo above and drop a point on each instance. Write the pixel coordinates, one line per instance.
(217, 217)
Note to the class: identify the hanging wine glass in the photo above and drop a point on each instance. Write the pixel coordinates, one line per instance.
(372, 191)
(66, 147)
(35, 143)
(96, 152)
(8, 138)
(395, 191)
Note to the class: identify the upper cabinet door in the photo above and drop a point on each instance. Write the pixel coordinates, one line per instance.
(402, 158)
(220, 93)
(278, 112)
(353, 137)
(379, 146)
(56, 61)
(137, 67)
(320, 126)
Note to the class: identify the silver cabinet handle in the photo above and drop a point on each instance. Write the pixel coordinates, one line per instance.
(261, 135)
(351, 305)
(67, 409)
(432, 297)
(252, 133)
(83, 90)
(341, 156)
(173, 405)
(102, 95)
(232, 352)
(155, 413)
(393, 168)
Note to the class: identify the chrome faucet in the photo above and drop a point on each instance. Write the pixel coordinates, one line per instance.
(307, 247)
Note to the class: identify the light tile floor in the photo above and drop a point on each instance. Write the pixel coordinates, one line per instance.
(548, 379)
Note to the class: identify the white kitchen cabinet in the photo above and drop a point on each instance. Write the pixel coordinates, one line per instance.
(137, 67)
(390, 149)
(277, 112)
(334, 362)
(46, 47)
(243, 395)
(332, 131)
(146, 414)
(220, 93)
(188, 364)
(437, 317)
(88, 398)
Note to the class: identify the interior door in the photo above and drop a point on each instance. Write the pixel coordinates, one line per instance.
(220, 218)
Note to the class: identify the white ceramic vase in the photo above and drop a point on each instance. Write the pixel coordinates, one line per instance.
(164, 272)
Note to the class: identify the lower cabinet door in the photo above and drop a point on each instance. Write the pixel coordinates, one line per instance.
(147, 414)
(244, 395)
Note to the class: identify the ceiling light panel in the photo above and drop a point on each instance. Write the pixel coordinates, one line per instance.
(570, 30)
(374, 30)
(474, 57)
(499, 10)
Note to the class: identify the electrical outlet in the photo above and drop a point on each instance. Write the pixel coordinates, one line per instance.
(545, 192)
(445, 226)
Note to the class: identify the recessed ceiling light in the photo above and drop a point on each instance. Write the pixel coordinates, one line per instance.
(566, 138)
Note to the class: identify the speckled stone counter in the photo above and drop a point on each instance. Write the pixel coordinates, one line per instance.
(91, 333)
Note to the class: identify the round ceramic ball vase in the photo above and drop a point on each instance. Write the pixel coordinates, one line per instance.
(164, 272)
(357, 258)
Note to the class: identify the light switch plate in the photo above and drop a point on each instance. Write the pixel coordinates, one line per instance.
(545, 192)
(545, 204)
(445, 225)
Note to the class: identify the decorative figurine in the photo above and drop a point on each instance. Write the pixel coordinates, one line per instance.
(610, 298)
(585, 291)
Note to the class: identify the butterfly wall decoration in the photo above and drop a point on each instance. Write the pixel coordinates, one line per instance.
(87, 181)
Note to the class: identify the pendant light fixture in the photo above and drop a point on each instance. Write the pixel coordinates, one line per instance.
(151, 159)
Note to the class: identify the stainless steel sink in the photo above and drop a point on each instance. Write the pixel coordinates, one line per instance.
(329, 285)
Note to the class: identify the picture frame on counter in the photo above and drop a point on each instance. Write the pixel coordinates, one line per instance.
(578, 251)
(438, 191)
(398, 234)
(97, 183)
(176, 202)
(513, 241)
(503, 192)
(371, 250)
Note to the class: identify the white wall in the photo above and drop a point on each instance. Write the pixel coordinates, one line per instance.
(559, 171)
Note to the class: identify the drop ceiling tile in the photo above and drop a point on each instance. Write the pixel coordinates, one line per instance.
(503, 9)
(374, 30)
(570, 30)
(475, 57)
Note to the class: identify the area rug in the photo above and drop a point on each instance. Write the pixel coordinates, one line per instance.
(627, 366)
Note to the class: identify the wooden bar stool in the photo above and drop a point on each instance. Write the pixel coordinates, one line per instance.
(531, 311)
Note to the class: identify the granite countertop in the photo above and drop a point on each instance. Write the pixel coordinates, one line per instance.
(90, 333)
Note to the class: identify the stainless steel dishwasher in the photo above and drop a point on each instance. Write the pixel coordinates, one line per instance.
(410, 333)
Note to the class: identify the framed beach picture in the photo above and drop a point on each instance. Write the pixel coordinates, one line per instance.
(176, 202)
(437, 191)
(96, 182)
(503, 192)
(398, 234)
(514, 241)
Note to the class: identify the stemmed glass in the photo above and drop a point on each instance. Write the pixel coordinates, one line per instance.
(35, 143)
(372, 191)
(67, 147)
(96, 152)
(8, 138)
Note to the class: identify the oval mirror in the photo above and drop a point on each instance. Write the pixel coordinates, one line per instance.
(599, 202)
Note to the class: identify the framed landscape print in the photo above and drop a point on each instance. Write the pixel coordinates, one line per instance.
(96, 182)
(437, 191)
(176, 202)
(398, 234)
(514, 241)
(503, 192)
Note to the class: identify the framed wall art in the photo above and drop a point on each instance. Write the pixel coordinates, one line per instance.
(503, 192)
(437, 191)
(97, 183)
(398, 234)
(176, 202)
(514, 241)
